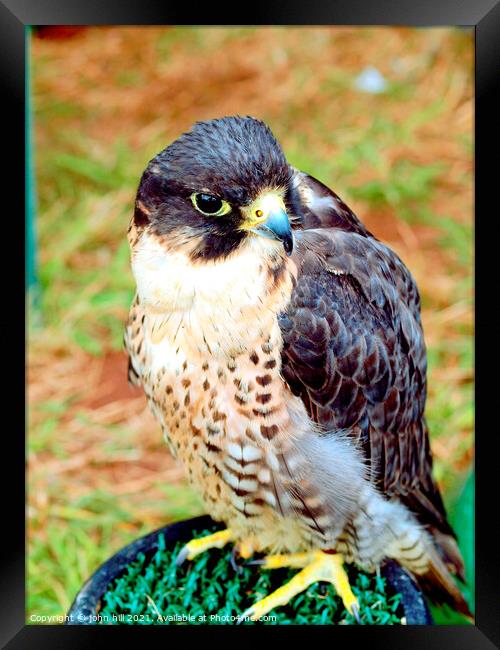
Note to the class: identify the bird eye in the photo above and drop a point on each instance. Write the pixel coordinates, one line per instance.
(210, 205)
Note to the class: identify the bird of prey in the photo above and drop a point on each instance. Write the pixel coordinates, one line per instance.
(280, 346)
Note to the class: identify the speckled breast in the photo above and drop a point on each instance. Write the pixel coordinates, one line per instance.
(225, 419)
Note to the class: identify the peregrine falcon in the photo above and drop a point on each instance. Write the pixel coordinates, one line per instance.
(280, 346)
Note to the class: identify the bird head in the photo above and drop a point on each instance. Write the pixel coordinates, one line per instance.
(223, 183)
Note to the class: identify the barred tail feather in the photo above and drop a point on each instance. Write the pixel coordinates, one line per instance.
(450, 553)
(439, 584)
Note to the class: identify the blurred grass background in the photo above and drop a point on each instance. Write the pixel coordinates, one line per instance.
(106, 100)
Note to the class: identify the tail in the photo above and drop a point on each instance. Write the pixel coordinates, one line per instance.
(438, 582)
(450, 553)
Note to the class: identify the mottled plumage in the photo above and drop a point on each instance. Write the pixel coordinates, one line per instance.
(291, 387)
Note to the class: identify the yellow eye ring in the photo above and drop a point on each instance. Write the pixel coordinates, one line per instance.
(209, 204)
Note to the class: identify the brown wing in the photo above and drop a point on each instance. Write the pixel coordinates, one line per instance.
(354, 348)
(314, 205)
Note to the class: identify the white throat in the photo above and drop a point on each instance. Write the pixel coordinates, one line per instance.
(220, 305)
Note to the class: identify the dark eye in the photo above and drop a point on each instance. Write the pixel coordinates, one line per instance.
(210, 205)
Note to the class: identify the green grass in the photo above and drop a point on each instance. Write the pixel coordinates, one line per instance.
(209, 591)
(81, 536)
(404, 185)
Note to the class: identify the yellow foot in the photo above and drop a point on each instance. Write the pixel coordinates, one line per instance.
(197, 546)
(316, 566)
(219, 539)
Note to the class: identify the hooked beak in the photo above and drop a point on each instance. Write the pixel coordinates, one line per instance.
(267, 217)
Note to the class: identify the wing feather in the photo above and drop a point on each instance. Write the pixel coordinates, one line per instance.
(354, 348)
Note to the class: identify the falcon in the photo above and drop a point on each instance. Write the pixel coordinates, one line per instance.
(280, 346)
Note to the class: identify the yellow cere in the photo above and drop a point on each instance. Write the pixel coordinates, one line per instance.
(262, 207)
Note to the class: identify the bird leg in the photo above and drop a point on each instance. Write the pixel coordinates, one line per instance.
(216, 540)
(316, 566)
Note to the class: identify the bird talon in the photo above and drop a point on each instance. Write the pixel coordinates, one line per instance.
(355, 613)
(247, 614)
(182, 556)
(259, 562)
(238, 568)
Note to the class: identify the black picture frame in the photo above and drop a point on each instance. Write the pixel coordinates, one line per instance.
(484, 17)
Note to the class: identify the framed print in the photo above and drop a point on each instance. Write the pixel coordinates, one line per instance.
(255, 303)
